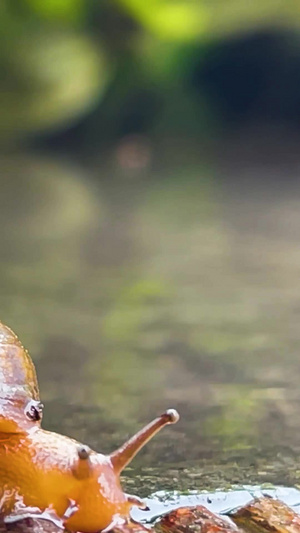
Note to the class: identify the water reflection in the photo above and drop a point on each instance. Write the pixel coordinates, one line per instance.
(134, 296)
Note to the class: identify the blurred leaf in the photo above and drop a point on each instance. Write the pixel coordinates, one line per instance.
(50, 74)
(170, 20)
(185, 21)
(66, 10)
(49, 78)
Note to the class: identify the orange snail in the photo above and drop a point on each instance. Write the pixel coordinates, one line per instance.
(48, 475)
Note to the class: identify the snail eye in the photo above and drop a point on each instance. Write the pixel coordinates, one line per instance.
(34, 410)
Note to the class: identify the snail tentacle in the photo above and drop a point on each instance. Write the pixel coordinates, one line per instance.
(123, 456)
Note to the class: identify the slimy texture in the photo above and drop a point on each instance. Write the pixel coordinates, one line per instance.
(44, 472)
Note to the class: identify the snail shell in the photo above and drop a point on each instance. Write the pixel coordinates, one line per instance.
(19, 392)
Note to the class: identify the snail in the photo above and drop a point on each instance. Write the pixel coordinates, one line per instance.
(52, 476)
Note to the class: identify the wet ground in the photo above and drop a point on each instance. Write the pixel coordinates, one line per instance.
(167, 286)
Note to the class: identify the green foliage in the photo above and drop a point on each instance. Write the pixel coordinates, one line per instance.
(59, 76)
(57, 58)
(170, 20)
(68, 11)
(50, 73)
(198, 19)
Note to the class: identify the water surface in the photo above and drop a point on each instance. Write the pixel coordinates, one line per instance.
(173, 287)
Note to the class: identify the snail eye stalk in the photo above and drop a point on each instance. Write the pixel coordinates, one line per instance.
(121, 457)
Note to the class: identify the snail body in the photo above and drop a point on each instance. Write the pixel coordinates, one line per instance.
(50, 475)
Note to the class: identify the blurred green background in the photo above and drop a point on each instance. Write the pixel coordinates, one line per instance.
(150, 222)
